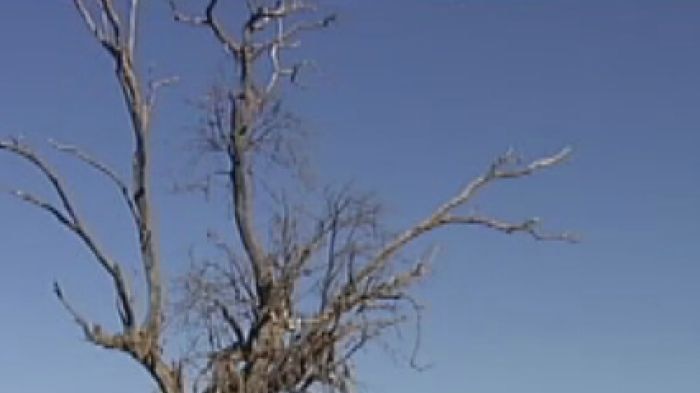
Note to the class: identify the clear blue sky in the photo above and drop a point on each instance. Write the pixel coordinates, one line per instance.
(412, 99)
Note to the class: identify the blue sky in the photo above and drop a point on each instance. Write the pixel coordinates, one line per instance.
(410, 101)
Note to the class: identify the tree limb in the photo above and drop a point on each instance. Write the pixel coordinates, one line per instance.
(208, 20)
(528, 226)
(105, 170)
(71, 220)
(500, 169)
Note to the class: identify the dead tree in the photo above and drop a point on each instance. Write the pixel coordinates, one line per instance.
(283, 313)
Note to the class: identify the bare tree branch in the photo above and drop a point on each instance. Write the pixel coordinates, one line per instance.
(231, 320)
(498, 170)
(208, 20)
(528, 226)
(92, 332)
(51, 209)
(72, 221)
(142, 341)
(105, 170)
(14, 146)
(283, 40)
(92, 26)
(113, 22)
(155, 86)
(139, 112)
(133, 21)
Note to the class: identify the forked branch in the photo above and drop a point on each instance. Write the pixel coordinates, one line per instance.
(68, 216)
(505, 167)
(105, 170)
